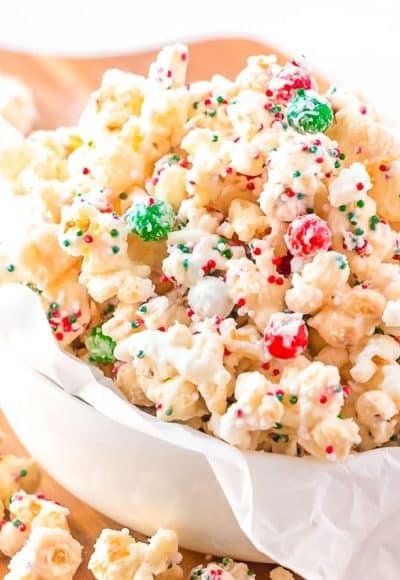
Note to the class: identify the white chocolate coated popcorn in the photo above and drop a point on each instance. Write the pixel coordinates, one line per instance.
(50, 553)
(258, 219)
(117, 556)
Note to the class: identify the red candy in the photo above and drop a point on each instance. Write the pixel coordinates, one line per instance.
(291, 78)
(286, 335)
(308, 235)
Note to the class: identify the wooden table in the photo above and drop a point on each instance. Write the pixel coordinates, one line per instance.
(61, 87)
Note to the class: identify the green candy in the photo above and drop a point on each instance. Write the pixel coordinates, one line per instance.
(151, 219)
(100, 346)
(309, 113)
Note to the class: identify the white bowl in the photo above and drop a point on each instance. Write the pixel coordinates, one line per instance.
(135, 479)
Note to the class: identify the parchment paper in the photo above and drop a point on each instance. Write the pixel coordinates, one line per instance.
(325, 521)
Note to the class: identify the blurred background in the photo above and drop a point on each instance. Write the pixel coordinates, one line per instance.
(355, 42)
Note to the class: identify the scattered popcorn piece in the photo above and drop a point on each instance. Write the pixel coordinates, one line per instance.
(280, 573)
(225, 570)
(118, 556)
(48, 553)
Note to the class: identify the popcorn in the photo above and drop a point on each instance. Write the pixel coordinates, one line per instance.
(118, 556)
(49, 553)
(190, 239)
(256, 409)
(226, 570)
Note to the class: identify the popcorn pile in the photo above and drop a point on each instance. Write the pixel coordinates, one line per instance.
(226, 250)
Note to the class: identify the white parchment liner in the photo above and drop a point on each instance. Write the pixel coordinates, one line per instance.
(325, 521)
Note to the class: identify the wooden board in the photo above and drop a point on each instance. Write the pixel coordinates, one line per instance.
(61, 87)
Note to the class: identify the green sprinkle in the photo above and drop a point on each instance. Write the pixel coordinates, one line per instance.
(393, 438)
(378, 330)
(135, 324)
(301, 195)
(123, 195)
(226, 562)
(214, 138)
(340, 416)
(109, 309)
(280, 398)
(66, 243)
(250, 572)
(115, 249)
(285, 438)
(72, 319)
(143, 308)
(275, 437)
(359, 232)
(276, 109)
(222, 241)
(10, 268)
(16, 523)
(114, 233)
(169, 411)
(195, 104)
(310, 210)
(23, 473)
(297, 173)
(211, 113)
(373, 222)
(342, 156)
(175, 158)
(278, 426)
(341, 262)
(90, 143)
(53, 306)
(337, 164)
(183, 248)
(293, 400)
(100, 346)
(227, 253)
(185, 263)
(351, 215)
(342, 207)
(220, 100)
(140, 354)
(79, 233)
(313, 149)
(360, 203)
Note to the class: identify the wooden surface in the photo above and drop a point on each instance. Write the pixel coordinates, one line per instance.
(61, 88)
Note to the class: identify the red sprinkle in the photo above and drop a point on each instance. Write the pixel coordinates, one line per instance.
(280, 281)
(265, 366)
(161, 328)
(207, 102)
(164, 278)
(227, 352)
(190, 312)
(88, 239)
(360, 186)
(269, 93)
(363, 110)
(151, 201)
(241, 302)
(22, 527)
(276, 261)
(239, 413)
(184, 56)
(319, 160)
(271, 279)
(323, 399)
(277, 372)
(257, 251)
(85, 171)
(383, 167)
(329, 449)
(346, 390)
(250, 186)
(59, 335)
